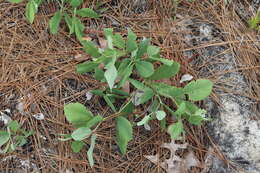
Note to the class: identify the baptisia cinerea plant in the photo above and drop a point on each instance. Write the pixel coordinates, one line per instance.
(138, 65)
(69, 11)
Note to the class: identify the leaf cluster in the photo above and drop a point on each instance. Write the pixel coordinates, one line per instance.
(130, 62)
(14, 136)
(254, 22)
(69, 11)
(83, 120)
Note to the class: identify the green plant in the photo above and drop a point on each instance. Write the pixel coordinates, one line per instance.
(254, 22)
(130, 63)
(13, 137)
(68, 10)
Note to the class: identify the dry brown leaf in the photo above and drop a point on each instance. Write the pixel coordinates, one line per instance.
(175, 164)
(126, 87)
(102, 43)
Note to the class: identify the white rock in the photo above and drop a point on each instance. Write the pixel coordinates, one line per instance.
(186, 77)
(39, 116)
(89, 95)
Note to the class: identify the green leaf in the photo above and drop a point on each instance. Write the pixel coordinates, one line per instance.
(128, 71)
(162, 60)
(69, 23)
(147, 95)
(198, 116)
(86, 67)
(54, 22)
(14, 126)
(99, 74)
(191, 108)
(123, 65)
(110, 104)
(87, 12)
(15, 1)
(199, 89)
(181, 109)
(119, 92)
(142, 49)
(77, 114)
(111, 75)
(118, 41)
(175, 130)
(97, 92)
(160, 115)
(37, 2)
(144, 120)
(153, 50)
(76, 146)
(154, 105)
(30, 10)
(75, 3)
(168, 90)
(144, 68)
(124, 133)
(90, 150)
(93, 121)
(91, 49)
(131, 44)
(195, 119)
(81, 133)
(108, 32)
(165, 71)
(22, 141)
(137, 84)
(4, 137)
(78, 27)
(127, 109)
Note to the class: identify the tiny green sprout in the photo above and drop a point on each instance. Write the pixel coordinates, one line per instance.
(69, 11)
(130, 62)
(254, 22)
(14, 136)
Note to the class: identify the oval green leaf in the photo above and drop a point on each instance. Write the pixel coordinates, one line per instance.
(30, 10)
(76, 146)
(86, 67)
(81, 133)
(124, 133)
(4, 137)
(87, 12)
(165, 71)
(77, 114)
(54, 22)
(199, 89)
(175, 130)
(144, 68)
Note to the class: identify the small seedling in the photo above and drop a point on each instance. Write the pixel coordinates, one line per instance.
(69, 10)
(13, 137)
(254, 22)
(131, 62)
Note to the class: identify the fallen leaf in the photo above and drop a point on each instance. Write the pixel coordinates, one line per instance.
(102, 42)
(126, 87)
(175, 164)
(191, 160)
